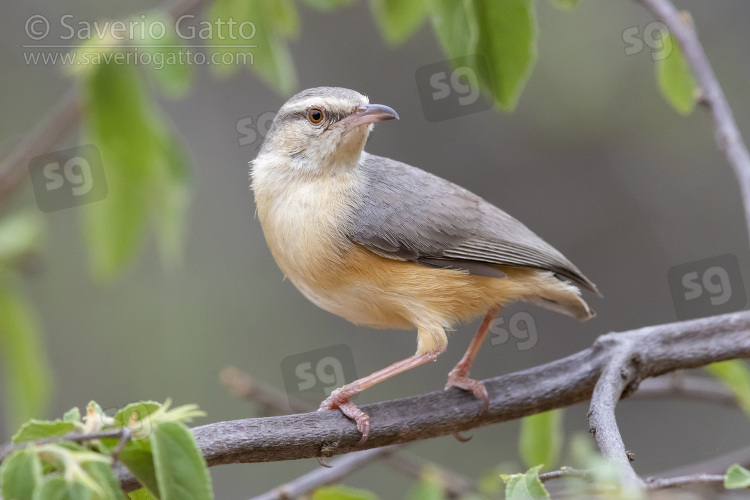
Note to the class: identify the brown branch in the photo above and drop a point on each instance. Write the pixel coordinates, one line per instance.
(274, 402)
(727, 134)
(659, 349)
(620, 375)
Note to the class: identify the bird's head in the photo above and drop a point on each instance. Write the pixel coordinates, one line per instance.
(322, 128)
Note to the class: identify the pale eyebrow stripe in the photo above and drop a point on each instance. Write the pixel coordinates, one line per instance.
(310, 101)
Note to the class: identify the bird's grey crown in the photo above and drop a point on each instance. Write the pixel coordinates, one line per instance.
(409, 214)
(323, 92)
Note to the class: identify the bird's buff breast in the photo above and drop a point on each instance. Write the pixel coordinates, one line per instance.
(305, 225)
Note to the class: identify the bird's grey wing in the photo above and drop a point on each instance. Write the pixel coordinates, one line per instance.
(408, 214)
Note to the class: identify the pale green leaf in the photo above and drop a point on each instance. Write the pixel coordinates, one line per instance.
(171, 200)
(455, 26)
(525, 486)
(737, 477)
(286, 16)
(429, 487)
(181, 470)
(735, 374)
(507, 44)
(20, 234)
(103, 475)
(55, 487)
(170, 68)
(564, 4)
(398, 19)
(327, 4)
(142, 409)
(25, 365)
(139, 460)
(34, 430)
(541, 439)
(20, 473)
(141, 494)
(266, 52)
(122, 125)
(340, 492)
(72, 415)
(676, 80)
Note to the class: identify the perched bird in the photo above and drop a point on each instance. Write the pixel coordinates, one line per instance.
(388, 245)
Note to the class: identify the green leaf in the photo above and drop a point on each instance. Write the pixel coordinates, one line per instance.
(123, 127)
(429, 487)
(72, 415)
(34, 430)
(139, 460)
(181, 470)
(676, 80)
(57, 488)
(140, 159)
(455, 26)
(564, 4)
(141, 494)
(286, 17)
(525, 486)
(737, 477)
(398, 19)
(735, 374)
(507, 33)
(268, 55)
(541, 438)
(20, 474)
(142, 409)
(171, 201)
(171, 72)
(339, 492)
(327, 4)
(104, 477)
(25, 365)
(20, 234)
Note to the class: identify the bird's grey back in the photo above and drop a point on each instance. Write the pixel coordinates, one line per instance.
(409, 214)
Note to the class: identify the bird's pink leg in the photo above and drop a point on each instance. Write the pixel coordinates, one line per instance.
(339, 398)
(458, 376)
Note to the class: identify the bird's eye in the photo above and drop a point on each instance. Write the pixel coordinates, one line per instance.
(315, 116)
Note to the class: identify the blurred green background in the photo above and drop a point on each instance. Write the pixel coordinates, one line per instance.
(593, 160)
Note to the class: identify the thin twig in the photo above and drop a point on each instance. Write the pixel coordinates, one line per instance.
(322, 476)
(658, 483)
(566, 472)
(686, 387)
(727, 134)
(74, 436)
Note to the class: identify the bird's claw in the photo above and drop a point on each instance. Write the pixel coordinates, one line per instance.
(341, 401)
(469, 384)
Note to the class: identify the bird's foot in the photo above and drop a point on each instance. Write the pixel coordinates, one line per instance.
(340, 399)
(469, 384)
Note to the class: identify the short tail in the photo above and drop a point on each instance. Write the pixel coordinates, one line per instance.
(563, 298)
